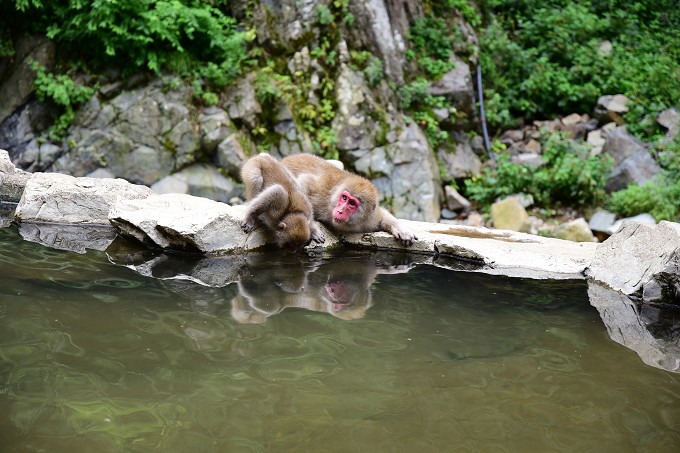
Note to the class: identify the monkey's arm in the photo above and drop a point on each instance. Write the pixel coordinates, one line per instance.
(390, 224)
(271, 202)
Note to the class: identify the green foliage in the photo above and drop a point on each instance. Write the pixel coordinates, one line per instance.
(369, 64)
(568, 177)
(430, 125)
(432, 45)
(543, 58)
(374, 71)
(272, 87)
(324, 15)
(64, 92)
(466, 9)
(140, 34)
(660, 198)
(410, 93)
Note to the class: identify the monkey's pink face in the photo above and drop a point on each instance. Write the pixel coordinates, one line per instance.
(339, 295)
(347, 205)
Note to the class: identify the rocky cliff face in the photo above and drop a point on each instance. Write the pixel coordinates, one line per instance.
(156, 134)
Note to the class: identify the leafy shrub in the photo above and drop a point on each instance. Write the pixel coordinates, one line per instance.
(63, 91)
(139, 34)
(410, 93)
(659, 198)
(568, 177)
(542, 58)
(432, 45)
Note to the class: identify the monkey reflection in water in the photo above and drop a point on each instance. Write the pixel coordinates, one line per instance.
(341, 288)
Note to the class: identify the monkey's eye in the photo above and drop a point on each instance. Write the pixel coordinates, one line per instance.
(343, 197)
(353, 203)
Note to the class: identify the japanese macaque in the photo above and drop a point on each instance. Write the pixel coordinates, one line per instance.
(343, 201)
(277, 201)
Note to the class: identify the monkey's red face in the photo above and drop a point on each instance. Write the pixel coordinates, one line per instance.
(347, 205)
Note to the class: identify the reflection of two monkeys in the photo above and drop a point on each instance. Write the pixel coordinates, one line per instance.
(341, 288)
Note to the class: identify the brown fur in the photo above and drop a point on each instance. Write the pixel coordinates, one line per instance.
(324, 182)
(278, 202)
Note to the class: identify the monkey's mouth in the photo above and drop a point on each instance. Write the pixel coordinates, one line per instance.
(337, 220)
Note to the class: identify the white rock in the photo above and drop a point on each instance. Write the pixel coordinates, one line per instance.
(54, 197)
(633, 256)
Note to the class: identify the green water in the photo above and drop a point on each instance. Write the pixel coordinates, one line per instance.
(96, 357)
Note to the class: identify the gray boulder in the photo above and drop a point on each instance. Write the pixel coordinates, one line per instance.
(18, 86)
(461, 163)
(201, 180)
(215, 126)
(644, 218)
(283, 23)
(602, 221)
(241, 102)
(509, 214)
(183, 222)
(640, 258)
(19, 136)
(54, 197)
(405, 173)
(231, 154)
(456, 85)
(670, 119)
(12, 180)
(454, 200)
(353, 124)
(576, 230)
(381, 27)
(611, 108)
(142, 135)
(632, 162)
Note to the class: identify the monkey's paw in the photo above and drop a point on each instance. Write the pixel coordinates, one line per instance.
(318, 237)
(248, 225)
(405, 237)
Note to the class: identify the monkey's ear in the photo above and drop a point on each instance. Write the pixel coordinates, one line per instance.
(281, 226)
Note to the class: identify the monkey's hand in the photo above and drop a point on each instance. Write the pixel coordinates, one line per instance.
(405, 237)
(317, 236)
(248, 224)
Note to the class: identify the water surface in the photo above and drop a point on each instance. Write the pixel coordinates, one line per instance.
(341, 354)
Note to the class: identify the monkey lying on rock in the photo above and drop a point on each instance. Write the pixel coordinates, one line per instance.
(278, 202)
(343, 201)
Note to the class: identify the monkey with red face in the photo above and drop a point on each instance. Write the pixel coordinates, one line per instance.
(343, 201)
(277, 201)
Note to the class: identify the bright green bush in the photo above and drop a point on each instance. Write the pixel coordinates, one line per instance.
(64, 92)
(568, 178)
(432, 45)
(138, 34)
(541, 58)
(660, 199)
